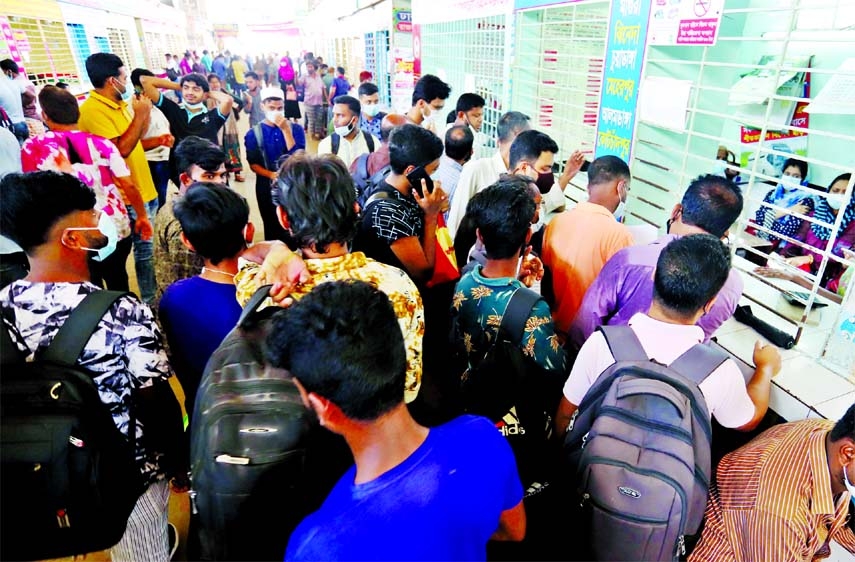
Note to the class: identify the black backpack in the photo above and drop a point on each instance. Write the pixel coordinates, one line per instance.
(510, 390)
(250, 435)
(336, 142)
(69, 476)
(638, 452)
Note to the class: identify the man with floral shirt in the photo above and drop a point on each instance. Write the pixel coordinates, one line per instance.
(503, 215)
(53, 218)
(98, 164)
(317, 205)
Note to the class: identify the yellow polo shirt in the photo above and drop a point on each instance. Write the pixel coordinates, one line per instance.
(110, 119)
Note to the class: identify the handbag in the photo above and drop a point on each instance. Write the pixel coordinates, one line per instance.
(445, 264)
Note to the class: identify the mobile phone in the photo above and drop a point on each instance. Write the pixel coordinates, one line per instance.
(416, 176)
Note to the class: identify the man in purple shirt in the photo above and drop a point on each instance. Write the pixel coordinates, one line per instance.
(710, 205)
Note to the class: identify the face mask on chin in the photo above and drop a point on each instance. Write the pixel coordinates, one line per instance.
(194, 106)
(346, 129)
(125, 95)
(621, 208)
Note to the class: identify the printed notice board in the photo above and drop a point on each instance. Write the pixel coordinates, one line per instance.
(621, 76)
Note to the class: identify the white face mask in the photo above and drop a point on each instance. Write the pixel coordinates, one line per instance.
(371, 110)
(194, 106)
(790, 183)
(719, 166)
(346, 129)
(107, 227)
(273, 114)
(429, 119)
(621, 208)
(834, 201)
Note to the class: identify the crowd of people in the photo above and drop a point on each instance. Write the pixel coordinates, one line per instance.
(394, 254)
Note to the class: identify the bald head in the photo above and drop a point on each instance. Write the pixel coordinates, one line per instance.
(458, 143)
(388, 123)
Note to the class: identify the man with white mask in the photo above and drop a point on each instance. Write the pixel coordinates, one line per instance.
(369, 101)
(267, 145)
(348, 142)
(429, 97)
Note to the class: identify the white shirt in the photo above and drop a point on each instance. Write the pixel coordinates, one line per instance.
(157, 126)
(348, 151)
(724, 390)
(10, 99)
(10, 152)
(477, 175)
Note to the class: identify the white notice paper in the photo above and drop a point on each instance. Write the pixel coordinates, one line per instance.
(838, 95)
(664, 102)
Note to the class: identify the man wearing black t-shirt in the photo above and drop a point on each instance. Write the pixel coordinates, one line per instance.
(399, 226)
(192, 117)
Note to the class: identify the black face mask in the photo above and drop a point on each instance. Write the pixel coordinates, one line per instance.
(545, 181)
(668, 224)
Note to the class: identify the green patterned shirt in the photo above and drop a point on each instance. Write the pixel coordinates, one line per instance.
(478, 306)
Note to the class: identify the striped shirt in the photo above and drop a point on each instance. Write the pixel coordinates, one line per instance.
(773, 500)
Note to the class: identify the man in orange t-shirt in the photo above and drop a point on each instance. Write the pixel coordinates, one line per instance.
(578, 243)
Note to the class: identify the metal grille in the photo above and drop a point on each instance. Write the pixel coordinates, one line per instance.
(558, 69)
(377, 63)
(472, 56)
(120, 44)
(102, 44)
(51, 58)
(801, 36)
(79, 42)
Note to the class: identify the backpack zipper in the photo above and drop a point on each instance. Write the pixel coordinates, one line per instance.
(634, 518)
(673, 483)
(654, 426)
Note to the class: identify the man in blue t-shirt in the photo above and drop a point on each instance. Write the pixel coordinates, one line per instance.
(197, 313)
(414, 493)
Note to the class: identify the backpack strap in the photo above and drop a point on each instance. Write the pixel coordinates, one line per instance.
(254, 302)
(623, 343)
(9, 352)
(69, 342)
(336, 143)
(517, 313)
(362, 167)
(698, 362)
(379, 175)
(259, 138)
(369, 140)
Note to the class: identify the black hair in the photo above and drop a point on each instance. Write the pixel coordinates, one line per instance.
(429, 88)
(342, 342)
(212, 76)
(197, 79)
(511, 123)
(102, 66)
(386, 128)
(9, 65)
(845, 426)
(411, 145)
(204, 51)
(846, 176)
(31, 204)
(251, 74)
(136, 73)
(606, 169)
(451, 117)
(351, 102)
(691, 270)
(528, 146)
(800, 164)
(458, 142)
(712, 203)
(368, 89)
(318, 195)
(59, 105)
(502, 213)
(339, 69)
(62, 85)
(469, 101)
(196, 151)
(213, 218)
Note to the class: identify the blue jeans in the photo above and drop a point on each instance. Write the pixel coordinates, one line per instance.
(160, 175)
(143, 252)
(22, 132)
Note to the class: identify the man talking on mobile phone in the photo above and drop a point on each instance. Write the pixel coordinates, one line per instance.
(398, 224)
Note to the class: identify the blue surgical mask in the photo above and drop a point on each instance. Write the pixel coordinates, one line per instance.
(194, 106)
(107, 227)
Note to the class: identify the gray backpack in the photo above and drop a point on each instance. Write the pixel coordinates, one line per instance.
(638, 450)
